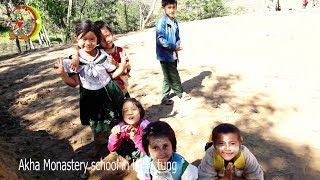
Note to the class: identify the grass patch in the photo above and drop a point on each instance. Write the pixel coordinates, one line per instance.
(239, 10)
(4, 36)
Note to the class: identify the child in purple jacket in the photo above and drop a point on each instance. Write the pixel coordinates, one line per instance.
(126, 137)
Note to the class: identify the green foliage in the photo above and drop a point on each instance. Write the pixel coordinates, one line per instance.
(121, 15)
(190, 10)
(97, 10)
(128, 17)
(4, 36)
(239, 10)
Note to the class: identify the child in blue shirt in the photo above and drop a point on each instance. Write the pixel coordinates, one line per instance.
(167, 47)
(162, 162)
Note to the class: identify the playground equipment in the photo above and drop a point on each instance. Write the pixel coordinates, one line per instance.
(26, 24)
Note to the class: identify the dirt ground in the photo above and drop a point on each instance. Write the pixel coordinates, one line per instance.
(259, 72)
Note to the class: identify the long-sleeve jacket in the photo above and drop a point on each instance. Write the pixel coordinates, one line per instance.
(116, 140)
(252, 169)
(167, 39)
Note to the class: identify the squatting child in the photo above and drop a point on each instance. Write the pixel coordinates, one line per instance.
(227, 158)
(126, 137)
(162, 161)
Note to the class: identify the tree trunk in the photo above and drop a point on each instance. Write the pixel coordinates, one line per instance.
(68, 21)
(40, 39)
(126, 15)
(140, 17)
(154, 2)
(18, 44)
(46, 37)
(31, 44)
(82, 8)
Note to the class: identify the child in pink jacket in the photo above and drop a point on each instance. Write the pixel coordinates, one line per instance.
(126, 137)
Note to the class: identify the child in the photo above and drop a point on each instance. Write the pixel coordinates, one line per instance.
(114, 52)
(126, 137)
(100, 98)
(162, 162)
(228, 158)
(114, 58)
(167, 47)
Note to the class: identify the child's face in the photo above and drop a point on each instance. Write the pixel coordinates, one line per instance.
(170, 10)
(227, 145)
(107, 36)
(160, 149)
(131, 113)
(87, 42)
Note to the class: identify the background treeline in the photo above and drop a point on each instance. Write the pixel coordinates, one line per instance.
(122, 15)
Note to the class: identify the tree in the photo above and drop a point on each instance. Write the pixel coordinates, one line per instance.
(201, 9)
(68, 22)
(144, 20)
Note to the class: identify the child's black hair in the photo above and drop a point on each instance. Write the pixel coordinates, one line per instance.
(158, 129)
(101, 24)
(137, 103)
(223, 129)
(85, 26)
(166, 2)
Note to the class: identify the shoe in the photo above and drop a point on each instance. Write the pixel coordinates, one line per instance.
(185, 96)
(304, 5)
(165, 100)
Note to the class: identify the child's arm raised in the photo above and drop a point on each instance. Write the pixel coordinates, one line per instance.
(122, 65)
(111, 60)
(115, 139)
(72, 81)
(74, 55)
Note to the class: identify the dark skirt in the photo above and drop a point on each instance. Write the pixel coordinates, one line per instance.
(103, 105)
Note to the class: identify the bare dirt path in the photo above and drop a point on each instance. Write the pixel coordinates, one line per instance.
(259, 72)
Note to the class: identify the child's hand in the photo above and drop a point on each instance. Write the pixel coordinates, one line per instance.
(178, 48)
(74, 65)
(229, 172)
(116, 130)
(111, 60)
(58, 67)
(128, 66)
(124, 57)
(131, 130)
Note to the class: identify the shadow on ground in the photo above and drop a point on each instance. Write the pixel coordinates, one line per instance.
(255, 114)
(40, 116)
(31, 93)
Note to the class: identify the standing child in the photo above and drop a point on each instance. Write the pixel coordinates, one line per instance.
(101, 98)
(126, 137)
(167, 47)
(159, 142)
(228, 158)
(114, 52)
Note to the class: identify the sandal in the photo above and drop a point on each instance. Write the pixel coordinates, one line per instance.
(166, 101)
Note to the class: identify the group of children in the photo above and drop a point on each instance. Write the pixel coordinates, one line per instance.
(117, 121)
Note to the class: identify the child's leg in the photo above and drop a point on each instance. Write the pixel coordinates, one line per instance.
(116, 95)
(165, 66)
(101, 132)
(174, 79)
